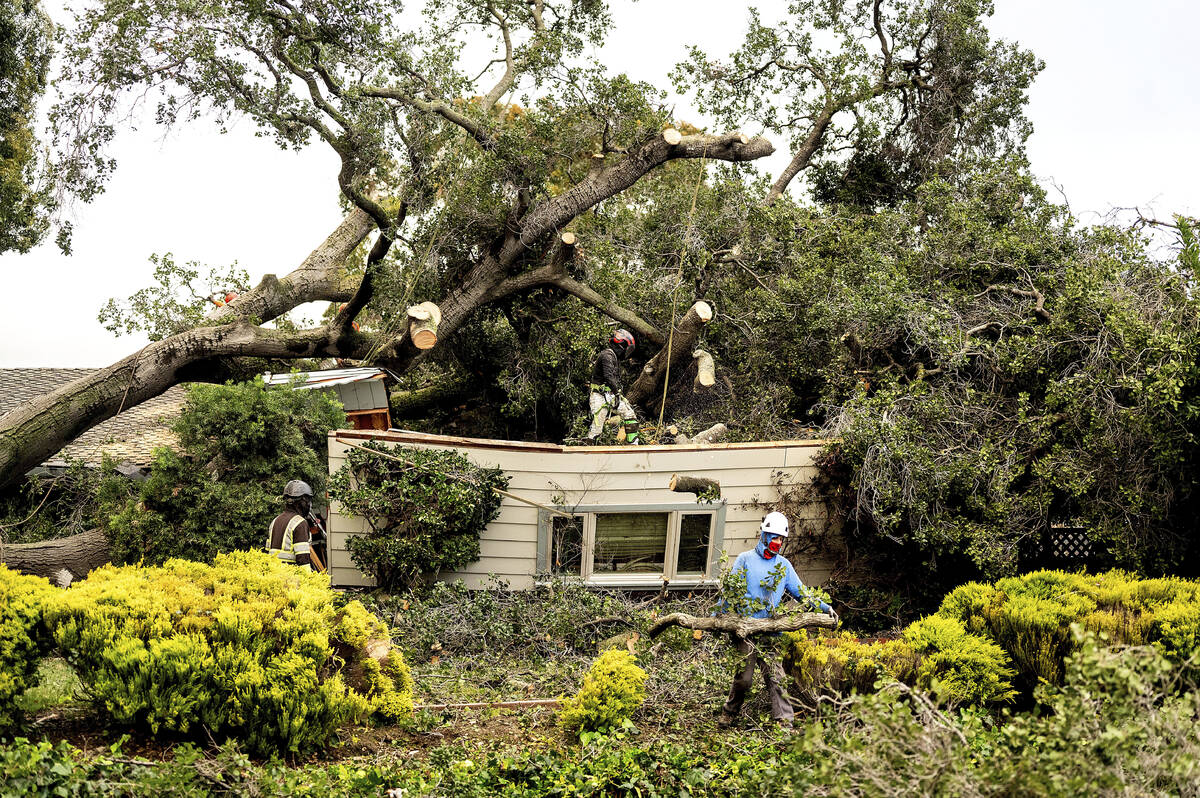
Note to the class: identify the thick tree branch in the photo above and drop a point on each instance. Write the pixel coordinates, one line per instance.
(476, 130)
(321, 276)
(740, 627)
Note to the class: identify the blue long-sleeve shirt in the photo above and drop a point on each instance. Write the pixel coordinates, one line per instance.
(768, 579)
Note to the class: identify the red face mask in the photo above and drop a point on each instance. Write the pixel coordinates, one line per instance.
(773, 546)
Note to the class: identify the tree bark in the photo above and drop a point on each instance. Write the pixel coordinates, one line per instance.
(678, 350)
(423, 321)
(741, 627)
(78, 555)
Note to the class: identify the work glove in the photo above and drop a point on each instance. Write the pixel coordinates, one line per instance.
(830, 612)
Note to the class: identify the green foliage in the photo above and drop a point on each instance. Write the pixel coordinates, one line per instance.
(26, 35)
(73, 501)
(842, 664)
(24, 638)
(175, 304)
(547, 621)
(242, 649)
(612, 690)
(240, 445)
(957, 666)
(1031, 616)
(426, 511)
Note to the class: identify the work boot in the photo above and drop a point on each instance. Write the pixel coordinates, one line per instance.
(725, 721)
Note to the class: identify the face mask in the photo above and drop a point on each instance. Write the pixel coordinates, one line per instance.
(773, 546)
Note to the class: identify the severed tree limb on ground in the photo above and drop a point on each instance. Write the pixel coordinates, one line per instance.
(741, 627)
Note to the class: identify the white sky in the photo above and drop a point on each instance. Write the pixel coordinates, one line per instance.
(1115, 115)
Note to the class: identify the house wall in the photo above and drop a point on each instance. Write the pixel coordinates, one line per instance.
(575, 476)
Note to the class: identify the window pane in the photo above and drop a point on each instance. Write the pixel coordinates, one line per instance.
(566, 545)
(694, 532)
(630, 542)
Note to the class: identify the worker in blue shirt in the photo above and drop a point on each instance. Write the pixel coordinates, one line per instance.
(768, 576)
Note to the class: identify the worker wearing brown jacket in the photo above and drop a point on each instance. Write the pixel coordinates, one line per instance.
(289, 537)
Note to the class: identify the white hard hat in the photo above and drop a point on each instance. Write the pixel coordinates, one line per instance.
(775, 524)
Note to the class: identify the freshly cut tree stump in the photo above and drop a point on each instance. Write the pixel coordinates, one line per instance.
(741, 627)
(672, 136)
(682, 483)
(423, 321)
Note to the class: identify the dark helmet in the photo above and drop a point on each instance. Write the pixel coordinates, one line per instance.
(622, 341)
(297, 489)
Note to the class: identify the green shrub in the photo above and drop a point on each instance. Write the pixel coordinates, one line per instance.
(1030, 616)
(247, 648)
(959, 667)
(425, 512)
(612, 691)
(240, 445)
(24, 639)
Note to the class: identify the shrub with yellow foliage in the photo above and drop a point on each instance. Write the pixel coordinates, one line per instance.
(24, 639)
(247, 648)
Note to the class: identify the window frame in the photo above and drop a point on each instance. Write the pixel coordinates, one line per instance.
(675, 511)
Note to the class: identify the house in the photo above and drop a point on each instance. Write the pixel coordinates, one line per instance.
(625, 527)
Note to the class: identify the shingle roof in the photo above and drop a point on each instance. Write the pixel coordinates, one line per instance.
(131, 436)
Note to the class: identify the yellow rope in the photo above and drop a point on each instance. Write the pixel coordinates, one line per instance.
(662, 407)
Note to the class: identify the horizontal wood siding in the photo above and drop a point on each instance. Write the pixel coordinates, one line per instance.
(574, 476)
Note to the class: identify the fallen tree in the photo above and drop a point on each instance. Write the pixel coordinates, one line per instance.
(404, 147)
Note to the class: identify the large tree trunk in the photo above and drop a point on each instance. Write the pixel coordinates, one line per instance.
(63, 560)
(741, 627)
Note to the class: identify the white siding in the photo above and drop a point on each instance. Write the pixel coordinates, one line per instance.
(582, 476)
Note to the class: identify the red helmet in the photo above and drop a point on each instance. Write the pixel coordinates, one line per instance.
(623, 339)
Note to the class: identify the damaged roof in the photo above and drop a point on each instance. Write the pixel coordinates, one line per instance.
(130, 436)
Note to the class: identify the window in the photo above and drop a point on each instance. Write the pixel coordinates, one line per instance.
(631, 545)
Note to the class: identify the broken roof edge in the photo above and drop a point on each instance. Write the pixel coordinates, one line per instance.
(411, 436)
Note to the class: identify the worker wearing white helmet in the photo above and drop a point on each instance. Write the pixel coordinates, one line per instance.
(768, 576)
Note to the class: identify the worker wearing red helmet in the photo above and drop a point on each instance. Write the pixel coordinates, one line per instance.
(606, 395)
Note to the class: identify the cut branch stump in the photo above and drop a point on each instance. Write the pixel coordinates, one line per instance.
(423, 321)
(681, 342)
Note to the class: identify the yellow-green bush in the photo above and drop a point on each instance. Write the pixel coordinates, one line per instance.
(842, 664)
(612, 690)
(246, 648)
(24, 639)
(960, 667)
(1030, 616)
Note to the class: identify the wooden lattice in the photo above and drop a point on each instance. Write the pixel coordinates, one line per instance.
(1070, 543)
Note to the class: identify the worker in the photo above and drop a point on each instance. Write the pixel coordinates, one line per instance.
(606, 395)
(768, 576)
(289, 537)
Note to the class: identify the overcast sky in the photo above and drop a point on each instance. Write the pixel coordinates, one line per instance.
(1115, 113)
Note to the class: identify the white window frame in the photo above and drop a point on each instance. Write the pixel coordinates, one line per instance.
(716, 540)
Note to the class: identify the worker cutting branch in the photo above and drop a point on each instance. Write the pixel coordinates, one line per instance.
(605, 397)
(767, 576)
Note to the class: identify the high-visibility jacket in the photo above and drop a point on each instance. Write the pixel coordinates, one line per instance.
(288, 538)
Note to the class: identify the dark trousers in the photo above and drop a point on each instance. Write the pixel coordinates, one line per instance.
(773, 676)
